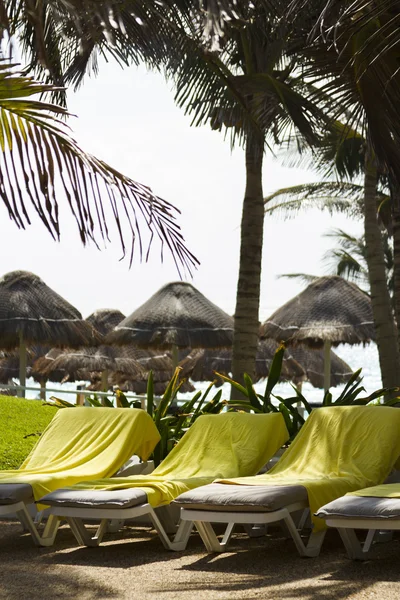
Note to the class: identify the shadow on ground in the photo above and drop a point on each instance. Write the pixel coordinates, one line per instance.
(133, 564)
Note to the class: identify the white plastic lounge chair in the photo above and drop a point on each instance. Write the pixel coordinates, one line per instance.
(79, 443)
(235, 443)
(337, 448)
(378, 515)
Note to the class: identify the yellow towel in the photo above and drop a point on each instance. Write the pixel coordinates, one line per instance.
(386, 490)
(84, 443)
(339, 449)
(225, 445)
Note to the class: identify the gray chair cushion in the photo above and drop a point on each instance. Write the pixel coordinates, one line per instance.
(242, 498)
(361, 507)
(10, 493)
(95, 498)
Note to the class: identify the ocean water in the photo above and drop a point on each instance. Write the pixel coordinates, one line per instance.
(364, 357)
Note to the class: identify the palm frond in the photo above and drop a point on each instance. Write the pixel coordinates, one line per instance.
(332, 196)
(40, 160)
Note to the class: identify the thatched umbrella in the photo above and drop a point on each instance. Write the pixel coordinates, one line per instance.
(32, 313)
(330, 311)
(105, 319)
(177, 316)
(312, 361)
(94, 358)
(200, 365)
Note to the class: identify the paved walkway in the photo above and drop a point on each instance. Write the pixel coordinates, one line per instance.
(133, 565)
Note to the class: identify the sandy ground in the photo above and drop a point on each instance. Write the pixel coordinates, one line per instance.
(132, 564)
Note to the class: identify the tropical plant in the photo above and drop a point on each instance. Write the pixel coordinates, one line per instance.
(263, 403)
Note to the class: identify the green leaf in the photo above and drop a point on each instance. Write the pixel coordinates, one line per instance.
(233, 383)
(274, 372)
(251, 394)
(150, 395)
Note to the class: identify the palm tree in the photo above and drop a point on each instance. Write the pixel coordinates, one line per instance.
(343, 151)
(40, 160)
(251, 89)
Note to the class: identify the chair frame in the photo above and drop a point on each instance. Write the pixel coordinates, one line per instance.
(20, 509)
(29, 524)
(203, 519)
(346, 527)
(77, 516)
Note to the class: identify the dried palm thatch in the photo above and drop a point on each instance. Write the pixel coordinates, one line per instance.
(105, 319)
(43, 364)
(200, 365)
(313, 363)
(177, 315)
(329, 309)
(149, 360)
(9, 367)
(33, 311)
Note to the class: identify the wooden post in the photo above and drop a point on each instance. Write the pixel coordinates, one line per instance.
(80, 398)
(104, 384)
(22, 365)
(43, 388)
(327, 365)
(175, 357)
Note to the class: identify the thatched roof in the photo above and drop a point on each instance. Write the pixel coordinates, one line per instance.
(177, 315)
(9, 367)
(43, 365)
(200, 365)
(30, 307)
(330, 308)
(105, 319)
(313, 363)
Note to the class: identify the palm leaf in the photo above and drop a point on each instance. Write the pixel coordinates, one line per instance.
(39, 160)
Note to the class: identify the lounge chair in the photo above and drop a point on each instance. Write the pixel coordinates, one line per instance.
(336, 450)
(224, 445)
(79, 443)
(375, 509)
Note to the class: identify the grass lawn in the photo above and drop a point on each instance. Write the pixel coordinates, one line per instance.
(20, 418)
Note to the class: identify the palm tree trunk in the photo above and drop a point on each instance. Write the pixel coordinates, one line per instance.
(246, 328)
(396, 254)
(386, 334)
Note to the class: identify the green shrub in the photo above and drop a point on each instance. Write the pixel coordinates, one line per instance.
(21, 423)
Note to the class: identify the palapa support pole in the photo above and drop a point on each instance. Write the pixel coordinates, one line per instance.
(327, 365)
(175, 357)
(43, 388)
(104, 383)
(22, 365)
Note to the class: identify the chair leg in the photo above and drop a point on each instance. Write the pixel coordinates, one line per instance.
(28, 524)
(50, 530)
(352, 544)
(114, 525)
(314, 544)
(158, 526)
(82, 535)
(255, 531)
(209, 537)
(182, 536)
(369, 540)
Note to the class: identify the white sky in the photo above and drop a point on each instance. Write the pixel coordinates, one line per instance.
(128, 118)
